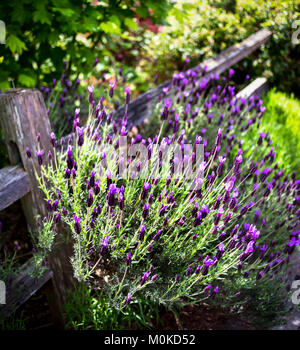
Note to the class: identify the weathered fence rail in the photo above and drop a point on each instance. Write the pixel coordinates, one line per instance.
(23, 287)
(139, 109)
(14, 185)
(257, 87)
(23, 115)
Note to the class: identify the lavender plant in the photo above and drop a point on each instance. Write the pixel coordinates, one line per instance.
(64, 96)
(169, 224)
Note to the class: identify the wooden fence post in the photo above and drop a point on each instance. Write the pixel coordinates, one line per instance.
(22, 116)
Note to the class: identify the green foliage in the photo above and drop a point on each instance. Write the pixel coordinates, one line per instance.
(7, 265)
(13, 323)
(41, 35)
(201, 29)
(264, 303)
(86, 309)
(282, 122)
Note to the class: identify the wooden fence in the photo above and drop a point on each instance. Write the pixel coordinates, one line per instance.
(22, 116)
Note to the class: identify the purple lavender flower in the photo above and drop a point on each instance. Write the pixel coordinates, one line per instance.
(64, 211)
(220, 251)
(181, 221)
(127, 93)
(77, 226)
(111, 90)
(80, 133)
(144, 278)
(154, 278)
(165, 222)
(204, 211)
(49, 205)
(90, 199)
(39, 155)
(217, 202)
(105, 241)
(70, 160)
(52, 139)
(157, 235)
(207, 263)
(262, 135)
(198, 269)
(237, 162)
(111, 194)
(142, 233)
(90, 90)
(128, 259)
(214, 292)
(28, 152)
(67, 173)
(146, 210)
(144, 193)
(57, 218)
(218, 216)
(121, 201)
(198, 219)
(207, 288)
(162, 210)
(220, 166)
(55, 205)
(128, 298)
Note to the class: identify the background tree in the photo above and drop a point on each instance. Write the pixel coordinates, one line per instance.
(41, 34)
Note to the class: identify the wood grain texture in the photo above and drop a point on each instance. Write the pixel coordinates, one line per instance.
(22, 288)
(22, 116)
(14, 184)
(257, 87)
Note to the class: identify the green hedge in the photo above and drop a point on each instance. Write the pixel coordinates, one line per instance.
(199, 30)
(281, 120)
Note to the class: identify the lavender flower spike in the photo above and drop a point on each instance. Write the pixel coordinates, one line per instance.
(128, 259)
(28, 152)
(128, 298)
(77, 226)
(146, 210)
(104, 244)
(39, 155)
(144, 278)
(127, 92)
(90, 200)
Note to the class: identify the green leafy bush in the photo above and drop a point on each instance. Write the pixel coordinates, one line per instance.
(281, 121)
(199, 30)
(41, 35)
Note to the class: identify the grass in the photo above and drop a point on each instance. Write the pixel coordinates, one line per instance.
(88, 309)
